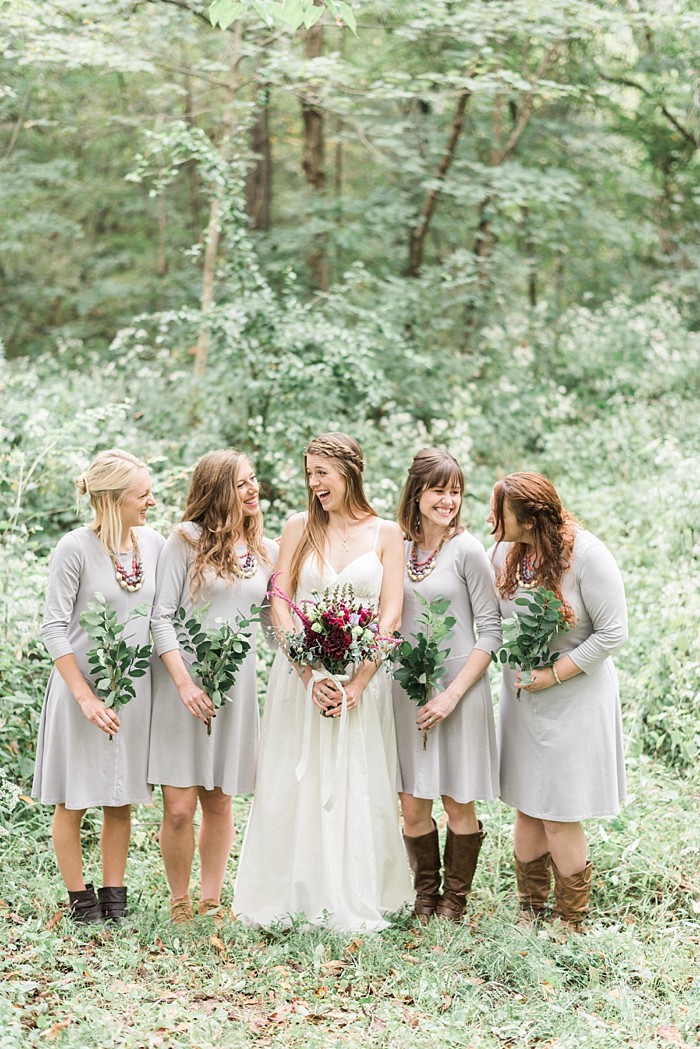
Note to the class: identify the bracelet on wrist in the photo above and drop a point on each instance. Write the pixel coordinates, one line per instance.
(556, 675)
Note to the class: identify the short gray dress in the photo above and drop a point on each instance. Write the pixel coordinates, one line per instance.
(76, 763)
(561, 750)
(181, 752)
(461, 758)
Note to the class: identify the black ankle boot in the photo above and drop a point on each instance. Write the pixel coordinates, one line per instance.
(84, 908)
(113, 903)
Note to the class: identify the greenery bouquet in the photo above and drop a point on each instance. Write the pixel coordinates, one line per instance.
(420, 664)
(527, 636)
(218, 652)
(113, 663)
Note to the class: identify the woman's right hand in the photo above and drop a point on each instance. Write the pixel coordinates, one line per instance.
(105, 718)
(196, 700)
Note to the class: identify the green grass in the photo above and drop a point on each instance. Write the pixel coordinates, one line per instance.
(631, 981)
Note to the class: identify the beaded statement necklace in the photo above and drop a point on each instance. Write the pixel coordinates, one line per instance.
(527, 572)
(132, 580)
(248, 565)
(418, 570)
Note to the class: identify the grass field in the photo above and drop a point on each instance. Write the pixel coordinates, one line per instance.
(633, 980)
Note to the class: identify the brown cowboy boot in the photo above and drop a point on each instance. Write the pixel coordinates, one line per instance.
(461, 856)
(572, 897)
(424, 859)
(534, 884)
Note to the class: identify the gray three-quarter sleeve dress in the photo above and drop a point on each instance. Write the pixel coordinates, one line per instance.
(181, 752)
(76, 763)
(460, 759)
(561, 749)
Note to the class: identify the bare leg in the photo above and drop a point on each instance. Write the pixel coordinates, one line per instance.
(66, 844)
(417, 815)
(568, 846)
(215, 840)
(177, 837)
(461, 817)
(116, 834)
(530, 838)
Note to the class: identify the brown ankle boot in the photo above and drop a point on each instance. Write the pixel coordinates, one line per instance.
(84, 908)
(572, 897)
(211, 909)
(424, 858)
(461, 856)
(112, 900)
(534, 884)
(181, 912)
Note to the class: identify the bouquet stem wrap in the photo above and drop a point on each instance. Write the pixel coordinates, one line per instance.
(333, 766)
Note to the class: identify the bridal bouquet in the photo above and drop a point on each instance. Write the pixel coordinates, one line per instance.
(218, 652)
(527, 636)
(336, 629)
(113, 663)
(421, 663)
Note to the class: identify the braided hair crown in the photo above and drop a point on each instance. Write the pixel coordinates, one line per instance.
(336, 445)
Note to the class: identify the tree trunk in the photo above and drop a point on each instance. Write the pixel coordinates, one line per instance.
(193, 183)
(213, 234)
(313, 160)
(416, 243)
(259, 184)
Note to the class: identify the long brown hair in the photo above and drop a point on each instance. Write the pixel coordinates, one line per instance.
(535, 501)
(431, 468)
(347, 456)
(107, 482)
(214, 503)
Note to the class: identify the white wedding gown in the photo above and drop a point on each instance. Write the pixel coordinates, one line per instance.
(323, 839)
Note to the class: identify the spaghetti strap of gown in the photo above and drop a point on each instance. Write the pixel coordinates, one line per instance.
(325, 857)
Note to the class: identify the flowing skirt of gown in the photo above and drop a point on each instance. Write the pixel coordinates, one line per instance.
(324, 840)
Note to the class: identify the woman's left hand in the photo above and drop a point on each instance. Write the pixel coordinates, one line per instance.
(435, 710)
(353, 691)
(541, 679)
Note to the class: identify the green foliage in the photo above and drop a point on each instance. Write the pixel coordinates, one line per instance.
(113, 662)
(291, 13)
(527, 636)
(420, 663)
(219, 652)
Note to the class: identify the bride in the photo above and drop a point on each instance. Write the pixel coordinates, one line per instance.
(323, 840)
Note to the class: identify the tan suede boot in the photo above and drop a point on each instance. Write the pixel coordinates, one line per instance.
(211, 909)
(181, 912)
(461, 857)
(424, 859)
(572, 898)
(534, 885)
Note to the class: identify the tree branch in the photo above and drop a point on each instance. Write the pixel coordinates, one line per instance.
(525, 112)
(19, 124)
(623, 81)
(420, 231)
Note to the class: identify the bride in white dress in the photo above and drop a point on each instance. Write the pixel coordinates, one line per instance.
(323, 839)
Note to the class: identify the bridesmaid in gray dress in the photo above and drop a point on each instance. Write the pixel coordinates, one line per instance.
(217, 557)
(459, 762)
(77, 765)
(561, 749)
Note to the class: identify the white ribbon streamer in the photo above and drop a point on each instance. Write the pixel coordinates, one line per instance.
(337, 766)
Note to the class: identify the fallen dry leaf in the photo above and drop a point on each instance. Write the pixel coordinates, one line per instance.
(671, 1035)
(54, 920)
(218, 946)
(55, 1029)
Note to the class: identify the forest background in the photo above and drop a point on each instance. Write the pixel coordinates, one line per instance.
(470, 224)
